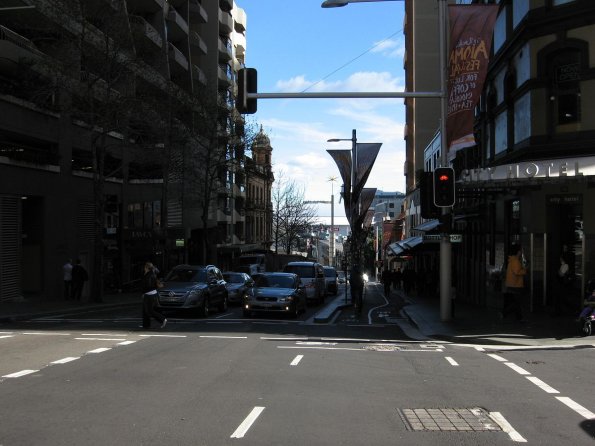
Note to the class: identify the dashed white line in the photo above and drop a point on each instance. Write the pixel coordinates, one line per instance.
(46, 334)
(99, 350)
(296, 360)
(497, 357)
(21, 373)
(223, 337)
(451, 361)
(65, 360)
(247, 423)
(99, 339)
(516, 368)
(576, 407)
(539, 383)
(162, 336)
(506, 427)
(126, 343)
(6, 336)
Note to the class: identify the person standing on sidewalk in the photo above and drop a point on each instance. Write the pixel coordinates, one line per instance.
(67, 270)
(149, 289)
(386, 281)
(514, 284)
(79, 277)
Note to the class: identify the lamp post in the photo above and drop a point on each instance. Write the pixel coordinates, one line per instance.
(331, 253)
(445, 246)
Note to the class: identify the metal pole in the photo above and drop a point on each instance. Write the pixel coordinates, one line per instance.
(331, 254)
(445, 246)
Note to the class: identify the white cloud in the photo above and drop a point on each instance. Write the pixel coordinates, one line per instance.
(390, 48)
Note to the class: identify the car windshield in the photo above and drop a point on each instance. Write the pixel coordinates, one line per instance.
(302, 271)
(275, 282)
(187, 275)
(233, 278)
(330, 272)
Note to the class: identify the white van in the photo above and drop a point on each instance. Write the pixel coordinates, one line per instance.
(312, 278)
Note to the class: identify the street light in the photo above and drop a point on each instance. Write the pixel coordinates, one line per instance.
(339, 3)
(331, 254)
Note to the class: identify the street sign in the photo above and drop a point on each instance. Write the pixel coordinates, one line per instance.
(435, 238)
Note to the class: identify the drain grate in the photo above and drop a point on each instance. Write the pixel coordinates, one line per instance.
(473, 419)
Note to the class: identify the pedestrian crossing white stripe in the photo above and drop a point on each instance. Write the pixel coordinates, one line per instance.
(247, 423)
(539, 383)
(451, 361)
(296, 360)
(576, 407)
(65, 360)
(19, 374)
(99, 350)
(497, 357)
(516, 368)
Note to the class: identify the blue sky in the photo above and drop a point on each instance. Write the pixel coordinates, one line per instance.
(296, 45)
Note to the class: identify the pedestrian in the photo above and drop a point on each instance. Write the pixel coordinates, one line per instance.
(386, 280)
(149, 285)
(79, 277)
(67, 272)
(564, 278)
(514, 284)
(397, 278)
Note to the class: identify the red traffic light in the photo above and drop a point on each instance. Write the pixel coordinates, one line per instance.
(443, 178)
(444, 187)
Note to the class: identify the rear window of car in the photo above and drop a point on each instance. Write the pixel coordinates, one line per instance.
(275, 282)
(187, 275)
(305, 271)
(330, 272)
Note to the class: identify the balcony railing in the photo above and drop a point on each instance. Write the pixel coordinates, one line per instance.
(198, 47)
(177, 28)
(176, 56)
(224, 51)
(151, 6)
(197, 12)
(225, 22)
(18, 152)
(146, 29)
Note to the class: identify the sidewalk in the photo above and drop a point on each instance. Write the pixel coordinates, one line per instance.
(38, 307)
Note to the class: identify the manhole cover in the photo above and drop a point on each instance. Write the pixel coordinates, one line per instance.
(474, 419)
(383, 347)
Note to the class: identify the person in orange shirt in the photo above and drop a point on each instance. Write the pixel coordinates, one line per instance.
(514, 284)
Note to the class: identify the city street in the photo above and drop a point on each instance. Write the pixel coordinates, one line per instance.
(96, 378)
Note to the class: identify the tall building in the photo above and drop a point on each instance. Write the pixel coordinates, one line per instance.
(119, 140)
(528, 179)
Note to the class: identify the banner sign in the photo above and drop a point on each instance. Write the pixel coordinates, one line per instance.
(471, 28)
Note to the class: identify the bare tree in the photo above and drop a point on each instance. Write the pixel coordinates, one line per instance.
(292, 216)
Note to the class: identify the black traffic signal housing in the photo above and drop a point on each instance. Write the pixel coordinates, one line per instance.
(426, 196)
(444, 187)
(247, 83)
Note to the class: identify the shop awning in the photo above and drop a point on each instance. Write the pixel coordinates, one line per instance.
(399, 247)
(427, 225)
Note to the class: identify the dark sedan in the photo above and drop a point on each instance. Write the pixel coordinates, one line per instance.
(275, 292)
(237, 285)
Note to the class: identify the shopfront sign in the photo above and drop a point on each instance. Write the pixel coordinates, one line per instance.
(557, 168)
(436, 238)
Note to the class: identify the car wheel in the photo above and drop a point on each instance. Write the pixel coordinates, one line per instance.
(204, 311)
(223, 305)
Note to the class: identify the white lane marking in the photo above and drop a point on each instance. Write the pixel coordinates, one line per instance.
(539, 383)
(480, 349)
(506, 427)
(496, 357)
(6, 332)
(223, 337)
(6, 336)
(223, 315)
(46, 334)
(65, 360)
(296, 360)
(103, 334)
(516, 368)
(99, 350)
(99, 339)
(247, 423)
(264, 338)
(163, 336)
(452, 361)
(126, 343)
(576, 407)
(19, 374)
(319, 348)
(315, 343)
(375, 308)
(225, 322)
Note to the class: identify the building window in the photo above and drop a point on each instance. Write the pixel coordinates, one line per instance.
(565, 93)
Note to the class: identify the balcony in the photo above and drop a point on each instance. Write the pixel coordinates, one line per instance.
(225, 22)
(14, 49)
(150, 6)
(199, 76)
(224, 51)
(240, 20)
(143, 28)
(177, 28)
(198, 47)
(226, 5)
(224, 78)
(197, 12)
(239, 41)
(179, 62)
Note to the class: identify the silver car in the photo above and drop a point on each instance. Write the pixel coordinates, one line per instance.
(237, 285)
(275, 292)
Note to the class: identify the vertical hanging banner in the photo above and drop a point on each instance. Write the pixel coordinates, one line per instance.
(471, 28)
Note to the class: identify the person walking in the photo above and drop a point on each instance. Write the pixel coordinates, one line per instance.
(386, 280)
(79, 277)
(67, 272)
(397, 277)
(514, 284)
(149, 289)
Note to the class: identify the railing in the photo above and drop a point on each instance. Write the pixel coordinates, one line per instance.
(20, 152)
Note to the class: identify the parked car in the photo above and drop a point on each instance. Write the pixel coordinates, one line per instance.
(312, 278)
(237, 285)
(341, 279)
(275, 292)
(331, 281)
(193, 288)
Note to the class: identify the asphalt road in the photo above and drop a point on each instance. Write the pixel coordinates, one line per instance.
(97, 379)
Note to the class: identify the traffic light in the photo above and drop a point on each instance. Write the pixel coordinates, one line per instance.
(426, 197)
(444, 187)
(247, 83)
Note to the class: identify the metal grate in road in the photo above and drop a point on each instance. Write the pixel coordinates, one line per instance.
(473, 419)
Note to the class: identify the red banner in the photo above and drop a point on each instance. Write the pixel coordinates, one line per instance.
(471, 28)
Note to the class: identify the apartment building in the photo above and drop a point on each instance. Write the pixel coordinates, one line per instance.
(119, 140)
(529, 178)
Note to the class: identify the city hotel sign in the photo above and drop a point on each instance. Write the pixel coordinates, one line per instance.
(542, 169)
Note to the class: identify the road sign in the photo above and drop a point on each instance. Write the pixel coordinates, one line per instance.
(435, 238)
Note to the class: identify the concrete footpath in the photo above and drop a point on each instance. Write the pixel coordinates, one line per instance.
(470, 324)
